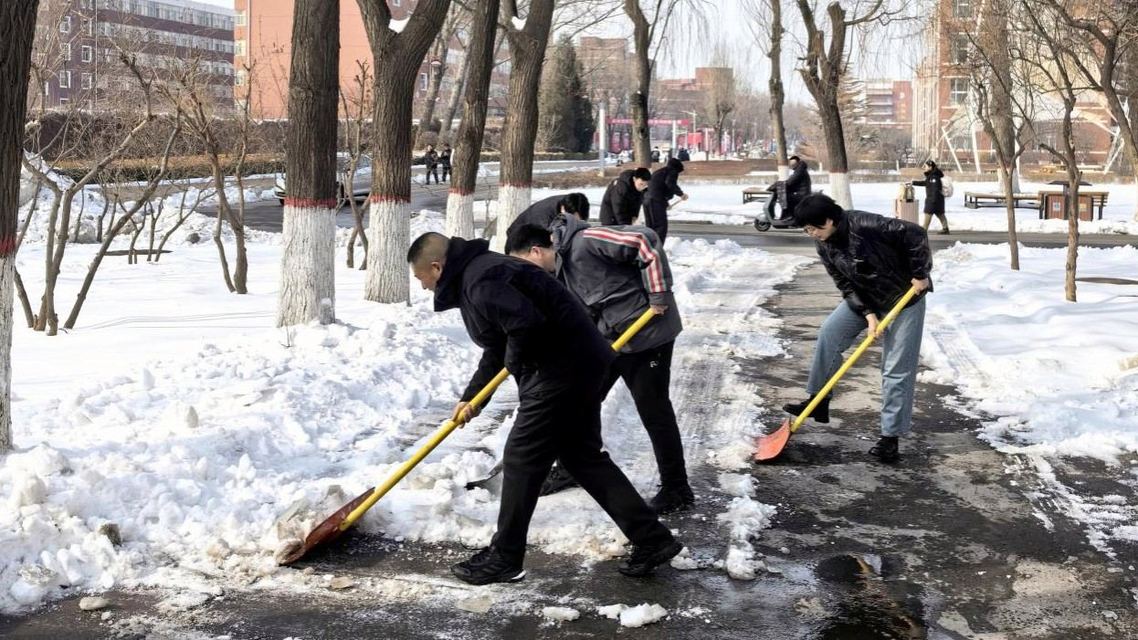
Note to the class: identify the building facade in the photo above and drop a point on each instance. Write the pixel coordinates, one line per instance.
(79, 44)
(888, 103)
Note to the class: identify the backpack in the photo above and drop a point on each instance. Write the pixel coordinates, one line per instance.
(946, 187)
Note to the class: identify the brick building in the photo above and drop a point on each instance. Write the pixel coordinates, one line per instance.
(888, 103)
(944, 123)
(78, 44)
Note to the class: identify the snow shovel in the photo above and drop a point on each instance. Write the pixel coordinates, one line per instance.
(616, 346)
(769, 447)
(348, 514)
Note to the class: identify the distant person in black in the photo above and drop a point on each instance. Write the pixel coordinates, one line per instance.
(624, 196)
(791, 191)
(431, 158)
(444, 160)
(684, 155)
(528, 322)
(543, 212)
(661, 189)
(934, 196)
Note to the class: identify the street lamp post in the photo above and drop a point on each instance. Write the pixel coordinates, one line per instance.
(691, 127)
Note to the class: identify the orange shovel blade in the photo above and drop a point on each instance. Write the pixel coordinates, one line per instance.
(328, 530)
(768, 447)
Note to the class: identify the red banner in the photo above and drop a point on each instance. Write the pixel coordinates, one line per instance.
(654, 122)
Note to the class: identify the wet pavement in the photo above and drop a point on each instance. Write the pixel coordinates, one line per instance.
(954, 541)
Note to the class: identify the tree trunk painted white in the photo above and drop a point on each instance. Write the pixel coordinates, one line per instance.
(840, 189)
(783, 171)
(512, 200)
(7, 287)
(460, 215)
(389, 235)
(308, 266)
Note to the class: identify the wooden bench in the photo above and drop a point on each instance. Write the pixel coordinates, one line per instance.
(974, 200)
(1098, 199)
(751, 194)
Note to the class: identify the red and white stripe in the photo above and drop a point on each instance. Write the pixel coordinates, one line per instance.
(653, 271)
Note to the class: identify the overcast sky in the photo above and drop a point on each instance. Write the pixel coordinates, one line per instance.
(892, 54)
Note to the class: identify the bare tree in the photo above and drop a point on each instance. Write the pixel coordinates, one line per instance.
(17, 30)
(456, 94)
(468, 145)
(308, 264)
(822, 71)
(767, 28)
(396, 57)
(719, 100)
(356, 104)
(1106, 32)
(1049, 53)
(440, 54)
(527, 55)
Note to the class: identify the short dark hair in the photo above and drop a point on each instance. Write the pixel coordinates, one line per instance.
(526, 237)
(423, 243)
(794, 158)
(575, 203)
(815, 209)
(643, 173)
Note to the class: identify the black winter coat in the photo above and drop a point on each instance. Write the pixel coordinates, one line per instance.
(934, 197)
(431, 158)
(541, 213)
(522, 317)
(797, 187)
(444, 158)
(873, 259)
(662, 187)
(622, 201)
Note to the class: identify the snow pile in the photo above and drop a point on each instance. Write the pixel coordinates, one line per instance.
(560, 614)
(1067, 386)
(744, 518)
(637, 616)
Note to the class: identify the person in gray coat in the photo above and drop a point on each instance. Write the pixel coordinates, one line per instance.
(618, 272)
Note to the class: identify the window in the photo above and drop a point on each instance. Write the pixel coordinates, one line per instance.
(65, 24)
(86, 4)
(63, 101)
(962, 8)
(397, 3)
(86, 79)
(240, 79)
(240, 19)
(957, 91)
(65, 51)
(961, 47)
(65, 79)
(423, 81)
(239, 48)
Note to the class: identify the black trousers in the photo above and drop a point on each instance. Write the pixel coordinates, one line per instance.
(446, 173)
(656, 217)
(432, 170)
(647, 374)
(561, 420)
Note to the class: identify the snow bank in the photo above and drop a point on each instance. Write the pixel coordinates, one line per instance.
(1057, 378)
(637, 616)
(744, 518)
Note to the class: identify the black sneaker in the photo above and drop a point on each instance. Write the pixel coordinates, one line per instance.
(557, 480)
(487, 566)
(671, 499)
(645, 559)
(820, 414)
(886, 449)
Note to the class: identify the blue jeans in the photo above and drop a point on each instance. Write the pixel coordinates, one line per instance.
(901, 350)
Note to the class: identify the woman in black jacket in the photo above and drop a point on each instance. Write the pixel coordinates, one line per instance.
(934, 196)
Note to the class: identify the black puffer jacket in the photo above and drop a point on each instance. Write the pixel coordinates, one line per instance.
(522, 317)
(622, 201)
(873, 260)
(617, 272)
(934, 197)
(797, 187)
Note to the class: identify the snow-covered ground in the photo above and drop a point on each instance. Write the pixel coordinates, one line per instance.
(176, 418)
(1051, 378)
(722, 204)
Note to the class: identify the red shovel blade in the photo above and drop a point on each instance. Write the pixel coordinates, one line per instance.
(328, 530)
(768, 447)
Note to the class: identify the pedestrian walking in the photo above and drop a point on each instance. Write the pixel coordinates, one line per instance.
(618, 273)
(873, 260)
(525, 320)
(624, 197)
(934, 196)
(444, 162)
(661, 189)
(431, 158)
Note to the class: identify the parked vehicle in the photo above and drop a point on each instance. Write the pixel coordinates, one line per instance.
(360, 182)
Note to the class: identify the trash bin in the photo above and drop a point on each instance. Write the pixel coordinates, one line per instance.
(1055, 207)
(905, 206)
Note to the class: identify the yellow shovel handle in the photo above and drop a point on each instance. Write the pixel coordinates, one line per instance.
(450, 425)
(865, 344)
